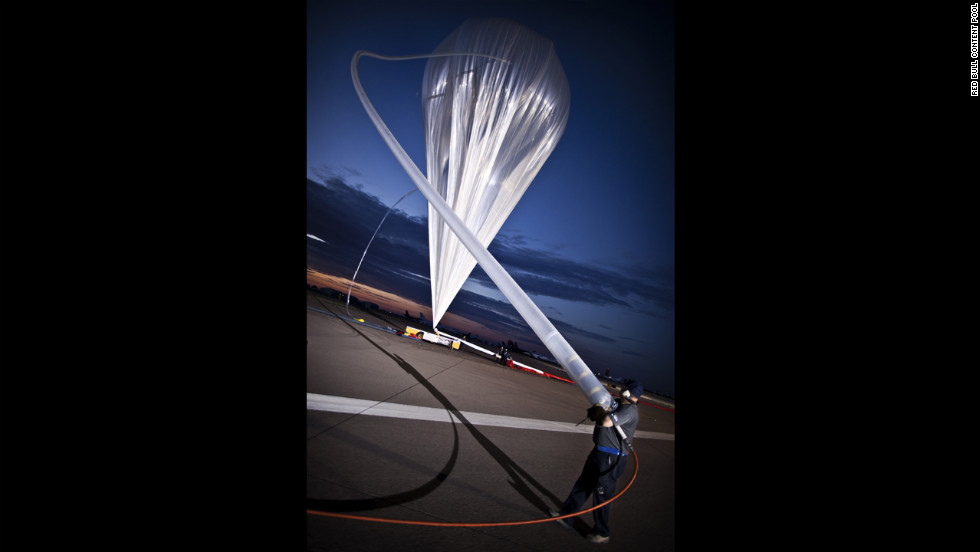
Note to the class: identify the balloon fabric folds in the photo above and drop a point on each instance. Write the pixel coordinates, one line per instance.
(491, 119)
(489, 127)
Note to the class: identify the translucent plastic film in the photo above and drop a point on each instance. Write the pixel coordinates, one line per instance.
(489, 127)
(477, 247)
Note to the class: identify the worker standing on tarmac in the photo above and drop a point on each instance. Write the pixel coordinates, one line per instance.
(606, 461)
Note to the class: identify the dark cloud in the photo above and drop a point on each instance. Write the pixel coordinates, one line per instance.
(541, 272)
(346, 217)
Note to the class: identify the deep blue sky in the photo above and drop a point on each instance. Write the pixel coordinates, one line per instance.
(592, 240)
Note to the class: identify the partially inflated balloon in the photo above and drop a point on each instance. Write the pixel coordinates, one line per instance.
(489, 127)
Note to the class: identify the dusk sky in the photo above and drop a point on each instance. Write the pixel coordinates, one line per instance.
(591, 241)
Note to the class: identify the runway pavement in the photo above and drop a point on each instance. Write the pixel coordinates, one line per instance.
(404, 429)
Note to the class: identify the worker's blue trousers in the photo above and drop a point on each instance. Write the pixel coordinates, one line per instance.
(598, 479)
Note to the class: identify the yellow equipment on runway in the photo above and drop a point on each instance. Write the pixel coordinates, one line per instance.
(431, 337)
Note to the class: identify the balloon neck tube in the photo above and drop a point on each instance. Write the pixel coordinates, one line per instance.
(539, 323)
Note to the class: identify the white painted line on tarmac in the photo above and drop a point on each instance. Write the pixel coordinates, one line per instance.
(328, 403)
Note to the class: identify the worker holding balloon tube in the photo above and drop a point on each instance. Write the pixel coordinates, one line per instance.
(495, 103)
(606, 461)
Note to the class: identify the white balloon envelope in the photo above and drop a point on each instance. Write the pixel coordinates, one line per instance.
(489, 127)
(495, 105)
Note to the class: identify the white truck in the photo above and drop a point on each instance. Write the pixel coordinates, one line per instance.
(431, 337)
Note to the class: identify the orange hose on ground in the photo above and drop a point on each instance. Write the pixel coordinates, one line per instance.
(636, 467)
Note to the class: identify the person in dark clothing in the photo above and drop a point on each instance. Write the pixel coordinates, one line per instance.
(606, 460)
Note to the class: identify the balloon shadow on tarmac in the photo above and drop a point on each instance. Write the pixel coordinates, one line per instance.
(520, 480)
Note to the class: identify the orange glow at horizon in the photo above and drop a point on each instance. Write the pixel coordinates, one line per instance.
(395, 304)
(384, 299)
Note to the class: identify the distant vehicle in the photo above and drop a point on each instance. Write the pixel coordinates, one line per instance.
(431, 337)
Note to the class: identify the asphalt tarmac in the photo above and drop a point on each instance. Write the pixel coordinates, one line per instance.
(403, 429)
